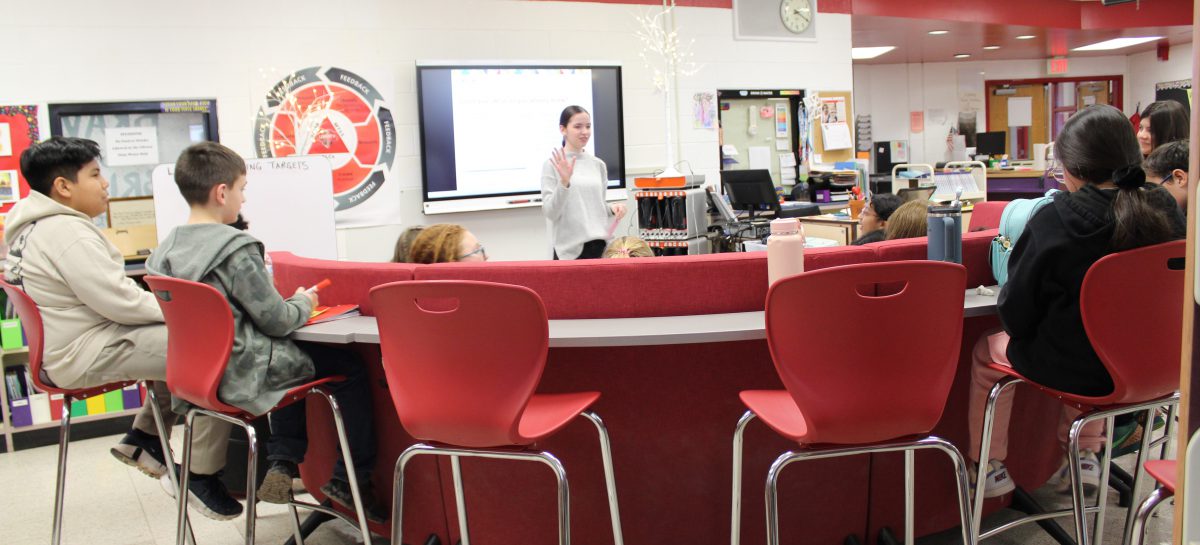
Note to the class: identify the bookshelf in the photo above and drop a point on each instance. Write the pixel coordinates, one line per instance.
(20, 357)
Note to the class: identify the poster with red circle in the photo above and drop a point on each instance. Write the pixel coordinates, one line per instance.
(18, 131)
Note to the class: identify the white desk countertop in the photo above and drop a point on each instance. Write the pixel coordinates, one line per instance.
(706, 328)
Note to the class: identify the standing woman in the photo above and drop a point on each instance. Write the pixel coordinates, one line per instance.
(574, 183)
(1163, 122)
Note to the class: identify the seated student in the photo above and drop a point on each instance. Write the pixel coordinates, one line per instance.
(873, 220)
(446, 243)
(404, 243)
(1167, 166)
(99, 326)
(264, 363)
(624, 247)
(908, 221)
(1107, 208)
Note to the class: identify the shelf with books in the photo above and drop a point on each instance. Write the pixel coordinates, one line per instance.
(23, 408)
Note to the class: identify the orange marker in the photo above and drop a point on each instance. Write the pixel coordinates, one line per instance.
(320, 286)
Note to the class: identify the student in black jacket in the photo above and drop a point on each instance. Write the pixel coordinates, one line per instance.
(1108, 207)
(874, 218)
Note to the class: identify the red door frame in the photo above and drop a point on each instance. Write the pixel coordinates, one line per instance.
(1117, 98)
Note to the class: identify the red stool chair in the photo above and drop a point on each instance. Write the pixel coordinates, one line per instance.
(883, 392)
(1164, 472)
(1140, 286)
(462, 361)
(199, 341)
(31, 322)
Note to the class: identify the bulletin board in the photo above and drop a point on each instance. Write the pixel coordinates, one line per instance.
(833, 156)
(19, 129)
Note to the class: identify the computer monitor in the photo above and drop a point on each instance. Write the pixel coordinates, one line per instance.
(915, 193)
(750, 189)
(990, 143)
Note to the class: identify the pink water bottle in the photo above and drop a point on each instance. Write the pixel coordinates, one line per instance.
(785, 249)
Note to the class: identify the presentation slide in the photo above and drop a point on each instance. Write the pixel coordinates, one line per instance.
(487, 131)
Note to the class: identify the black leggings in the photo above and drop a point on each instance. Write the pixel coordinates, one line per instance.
(592, 249)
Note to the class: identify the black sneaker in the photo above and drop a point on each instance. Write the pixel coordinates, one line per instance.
(207, 494)
(339, 491)
(277, 484)
(143, 451)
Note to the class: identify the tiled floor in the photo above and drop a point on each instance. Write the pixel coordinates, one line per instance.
(110, 503)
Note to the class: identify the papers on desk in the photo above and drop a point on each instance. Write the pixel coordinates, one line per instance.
(328, 314)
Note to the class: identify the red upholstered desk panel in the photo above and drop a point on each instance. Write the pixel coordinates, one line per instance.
(976, 247)
(351, 280)
(986, 215)
(640, 287)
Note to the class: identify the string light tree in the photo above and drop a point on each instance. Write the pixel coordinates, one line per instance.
(672, 206)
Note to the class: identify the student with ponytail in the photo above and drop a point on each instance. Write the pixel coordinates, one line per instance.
(1108, 207)
(574, 183)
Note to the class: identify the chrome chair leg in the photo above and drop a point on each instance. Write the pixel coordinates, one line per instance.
(297, 534)
(560, 473)
(1077, 497)
(1144, 511)
(909, 494)
(344, 442)
(735, 525)
(985, 448)
(251, 479)
(932, 442)
(184, 477)
(460, 500)
(610, 480)
(160, 424)
(60, 484)
(1102, 490)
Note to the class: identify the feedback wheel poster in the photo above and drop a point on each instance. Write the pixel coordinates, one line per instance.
(336, 114)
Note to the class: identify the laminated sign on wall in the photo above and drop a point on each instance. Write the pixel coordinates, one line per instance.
(337, 114)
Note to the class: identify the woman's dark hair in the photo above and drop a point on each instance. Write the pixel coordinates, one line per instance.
(1169, 121)
(565, 117)
(1166, 158)
(1096, 146)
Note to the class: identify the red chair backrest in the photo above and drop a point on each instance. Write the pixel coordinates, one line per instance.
(861, 367)
(986, 215)
(31, 322)
(1132, 304)
(462, 358)
(199, 339)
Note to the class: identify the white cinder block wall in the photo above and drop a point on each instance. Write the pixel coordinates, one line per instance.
(124, 50)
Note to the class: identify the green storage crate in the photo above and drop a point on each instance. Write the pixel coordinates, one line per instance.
(78, 408)
(114, 402)
(10, 334)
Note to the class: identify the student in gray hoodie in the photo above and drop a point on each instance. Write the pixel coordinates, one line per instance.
(100, 326)
(264, 363)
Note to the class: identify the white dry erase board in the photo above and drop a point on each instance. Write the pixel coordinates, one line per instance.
(289, 204)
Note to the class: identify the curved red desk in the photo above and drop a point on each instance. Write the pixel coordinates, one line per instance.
(671, 430)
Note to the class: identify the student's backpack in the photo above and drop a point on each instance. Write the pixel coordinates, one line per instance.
(1012, 224)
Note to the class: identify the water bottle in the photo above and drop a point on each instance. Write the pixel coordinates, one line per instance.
(944, 225)
(785, 249)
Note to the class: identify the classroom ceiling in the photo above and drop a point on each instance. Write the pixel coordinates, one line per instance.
(914, 43)
(1058, 26)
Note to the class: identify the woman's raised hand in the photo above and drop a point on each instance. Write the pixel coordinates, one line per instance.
(563, 165)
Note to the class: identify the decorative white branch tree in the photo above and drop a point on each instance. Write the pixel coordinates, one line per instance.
(667, 58)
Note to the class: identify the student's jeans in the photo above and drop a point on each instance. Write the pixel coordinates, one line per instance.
(992, 348)
(289, 435)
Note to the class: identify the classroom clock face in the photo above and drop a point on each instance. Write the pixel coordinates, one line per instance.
(796, 14)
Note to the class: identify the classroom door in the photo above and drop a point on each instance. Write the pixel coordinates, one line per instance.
(1028, 131)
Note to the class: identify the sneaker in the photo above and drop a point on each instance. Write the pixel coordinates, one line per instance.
(143, 451)
(277, 484)
(206, 494)
(339, 491)
(997, 482)
(1089, 469)
(1128, 436)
